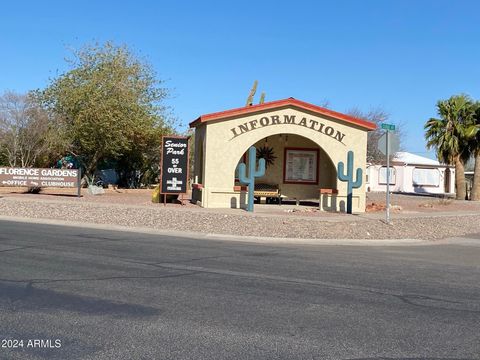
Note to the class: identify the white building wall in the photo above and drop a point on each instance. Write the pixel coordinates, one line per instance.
(404, 180)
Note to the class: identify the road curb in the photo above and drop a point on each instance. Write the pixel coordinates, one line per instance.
(221, 237)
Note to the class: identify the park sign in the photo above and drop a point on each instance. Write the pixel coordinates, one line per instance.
(174, 170)
(40, 177)
(34, 177)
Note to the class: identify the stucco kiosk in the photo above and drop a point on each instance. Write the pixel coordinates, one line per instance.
(302, 144)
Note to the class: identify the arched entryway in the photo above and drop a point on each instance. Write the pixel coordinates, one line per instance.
(296, 168)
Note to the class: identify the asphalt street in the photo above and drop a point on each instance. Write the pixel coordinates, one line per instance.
(93, 294)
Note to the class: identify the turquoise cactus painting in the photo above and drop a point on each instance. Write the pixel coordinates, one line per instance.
(348, 177)
(253, 172)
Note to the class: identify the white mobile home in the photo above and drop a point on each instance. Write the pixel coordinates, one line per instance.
(410, 173)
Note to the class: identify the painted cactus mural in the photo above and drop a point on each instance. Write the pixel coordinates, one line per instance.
(348, 177)
(253, 172)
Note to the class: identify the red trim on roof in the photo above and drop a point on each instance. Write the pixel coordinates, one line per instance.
(281, 103)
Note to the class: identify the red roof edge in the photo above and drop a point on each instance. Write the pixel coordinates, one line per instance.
(279, 103)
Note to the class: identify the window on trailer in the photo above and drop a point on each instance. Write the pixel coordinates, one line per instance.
(426, 177)
(382, 176)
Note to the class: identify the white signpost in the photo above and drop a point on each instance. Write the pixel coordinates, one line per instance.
(387, 146)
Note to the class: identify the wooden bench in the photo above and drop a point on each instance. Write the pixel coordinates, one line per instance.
(323, 192)
(267, 191)
(328, 191)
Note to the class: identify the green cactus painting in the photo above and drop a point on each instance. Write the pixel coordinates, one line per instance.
(348, 177)
(253, 172)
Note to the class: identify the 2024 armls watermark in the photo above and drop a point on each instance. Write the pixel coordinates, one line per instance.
(30, 344)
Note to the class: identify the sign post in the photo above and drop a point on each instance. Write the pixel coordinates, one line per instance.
(174, 166)
(388, 180)
(387, 128)
(79, 183)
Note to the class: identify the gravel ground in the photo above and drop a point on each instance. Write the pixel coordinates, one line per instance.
(337, 226)
(410, 203)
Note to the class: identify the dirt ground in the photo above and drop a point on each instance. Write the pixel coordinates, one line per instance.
(400, 203)
(111, 196)
(413, 217)
(410, 203)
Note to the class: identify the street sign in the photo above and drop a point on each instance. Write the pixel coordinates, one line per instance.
(387, 144)
(393, 143)
(390, 127)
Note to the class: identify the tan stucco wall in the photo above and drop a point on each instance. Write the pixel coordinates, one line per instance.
(222, 151)
(274, 174)
(198, 162)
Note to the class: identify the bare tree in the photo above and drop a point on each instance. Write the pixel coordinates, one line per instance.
(12, 114)
(325, 103)
(28, 137)
(377, 116)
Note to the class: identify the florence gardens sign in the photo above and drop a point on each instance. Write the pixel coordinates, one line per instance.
(40, 177)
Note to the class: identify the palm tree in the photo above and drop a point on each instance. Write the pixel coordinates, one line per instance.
(475, 148)
(449, 135)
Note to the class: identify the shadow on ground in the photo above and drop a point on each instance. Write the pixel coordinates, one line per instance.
(29, 297)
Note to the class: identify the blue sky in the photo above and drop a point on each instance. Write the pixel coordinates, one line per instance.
(401, 56)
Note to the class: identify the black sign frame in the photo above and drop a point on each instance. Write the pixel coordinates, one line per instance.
(182, 162)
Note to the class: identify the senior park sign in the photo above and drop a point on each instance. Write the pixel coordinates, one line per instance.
(174, 171)
(37, 177)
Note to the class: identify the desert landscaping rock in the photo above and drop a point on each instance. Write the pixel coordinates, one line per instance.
(312, 225)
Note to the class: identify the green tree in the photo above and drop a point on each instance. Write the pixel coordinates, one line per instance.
(449, 135)
(110, 106)
(140, 165)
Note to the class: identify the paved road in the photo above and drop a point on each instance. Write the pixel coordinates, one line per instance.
(119, 295)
